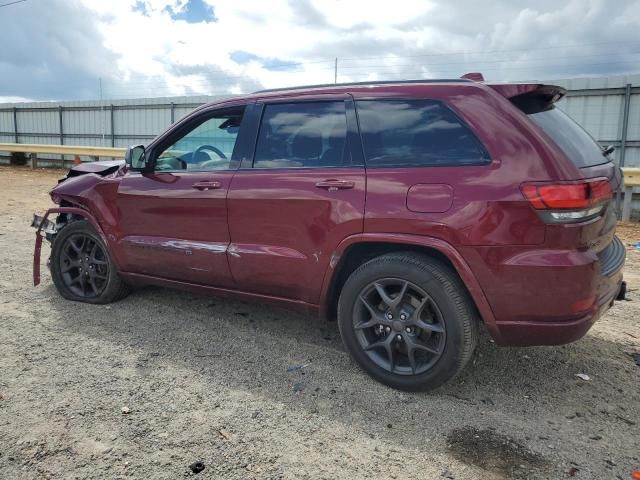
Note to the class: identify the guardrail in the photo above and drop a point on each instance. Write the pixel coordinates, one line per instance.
(631, 175)
(33, 149)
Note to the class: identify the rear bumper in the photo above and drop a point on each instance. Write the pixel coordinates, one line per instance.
(527, 333)
(546, 297)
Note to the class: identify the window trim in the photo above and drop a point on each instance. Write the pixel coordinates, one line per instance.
(487, 160)
(186, 127)
(356, 159)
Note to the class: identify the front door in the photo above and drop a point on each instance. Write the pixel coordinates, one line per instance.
(303, 193)
(174, 219)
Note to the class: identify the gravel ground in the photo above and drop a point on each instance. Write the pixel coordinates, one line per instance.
(146, 387)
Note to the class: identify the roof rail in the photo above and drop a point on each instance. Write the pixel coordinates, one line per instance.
(371, 82)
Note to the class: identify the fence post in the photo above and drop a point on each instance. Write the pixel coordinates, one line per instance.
(623, 146)
(113, 129)
(15, 125)
(61, 133)
(628, 192)
(34, 160)
(173, 112)
(625, 123)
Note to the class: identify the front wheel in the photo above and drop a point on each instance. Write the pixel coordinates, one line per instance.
(81, 267)
(407, 320)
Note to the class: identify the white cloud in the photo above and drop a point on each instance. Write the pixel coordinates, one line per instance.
(256, 43)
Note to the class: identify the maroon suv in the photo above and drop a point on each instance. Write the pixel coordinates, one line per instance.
(411, 211)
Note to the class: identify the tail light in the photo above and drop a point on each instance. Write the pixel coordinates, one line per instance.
(568, 202)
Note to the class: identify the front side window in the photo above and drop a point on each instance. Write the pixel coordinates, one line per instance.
(207, 146)
(416, 133)
(302, 135)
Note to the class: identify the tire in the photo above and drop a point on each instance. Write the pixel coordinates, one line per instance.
(81, 272)
(428, 344)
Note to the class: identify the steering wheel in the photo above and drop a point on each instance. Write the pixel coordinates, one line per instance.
(210, 148)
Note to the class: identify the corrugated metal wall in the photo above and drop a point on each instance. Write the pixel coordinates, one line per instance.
(598, 104)
(111, 123)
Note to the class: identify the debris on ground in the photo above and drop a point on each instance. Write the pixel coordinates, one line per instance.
(583, 376)
(297, 367)
(125, 410)
(196, 467)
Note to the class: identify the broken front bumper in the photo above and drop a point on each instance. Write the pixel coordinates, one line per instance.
(42, 225)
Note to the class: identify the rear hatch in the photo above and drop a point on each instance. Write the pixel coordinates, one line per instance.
(586, 200)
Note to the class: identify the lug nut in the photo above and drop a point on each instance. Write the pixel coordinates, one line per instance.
(398, 337)
(387, 329)
(390, 316)
(408, 329)
(403, 316)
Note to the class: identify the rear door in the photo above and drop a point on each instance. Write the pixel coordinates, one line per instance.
(300, 195)
(174, 219)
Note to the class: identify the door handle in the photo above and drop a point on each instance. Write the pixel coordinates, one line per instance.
(332, 185)
(207, 185)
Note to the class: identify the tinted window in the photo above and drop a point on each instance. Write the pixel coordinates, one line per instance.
(207, 146)
(574, 141)
(415, 133)
(309, 134)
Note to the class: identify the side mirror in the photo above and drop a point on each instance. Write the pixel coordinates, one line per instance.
(135, 158)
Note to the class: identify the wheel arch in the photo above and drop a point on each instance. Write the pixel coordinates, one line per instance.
(73, 210)
(356, 250)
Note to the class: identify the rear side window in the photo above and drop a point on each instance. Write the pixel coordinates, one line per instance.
(416, 133)
(574, 141)
(299, 135)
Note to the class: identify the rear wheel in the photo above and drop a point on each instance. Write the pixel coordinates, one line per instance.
(81, 267)
(407, 320)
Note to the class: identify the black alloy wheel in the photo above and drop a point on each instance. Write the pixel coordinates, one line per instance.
(407, 319)
(84, 266)
(399, 326)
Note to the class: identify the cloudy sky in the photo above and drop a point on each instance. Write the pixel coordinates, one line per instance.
(64, 49)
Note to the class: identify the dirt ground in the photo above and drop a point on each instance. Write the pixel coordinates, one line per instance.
(146, 387)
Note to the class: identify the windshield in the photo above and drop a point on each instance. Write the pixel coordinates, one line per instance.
(576, 143)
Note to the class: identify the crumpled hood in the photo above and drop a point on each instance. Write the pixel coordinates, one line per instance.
(98, 167)
(102, 168)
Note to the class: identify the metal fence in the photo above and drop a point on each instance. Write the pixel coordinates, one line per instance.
(609, 109)
(104, 124)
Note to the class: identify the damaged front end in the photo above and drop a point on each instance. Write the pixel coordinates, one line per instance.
(87, 192)
(44, 224)
(45, 228)
(102, 168)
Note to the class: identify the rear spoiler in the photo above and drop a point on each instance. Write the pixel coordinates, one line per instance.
(530, 97)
